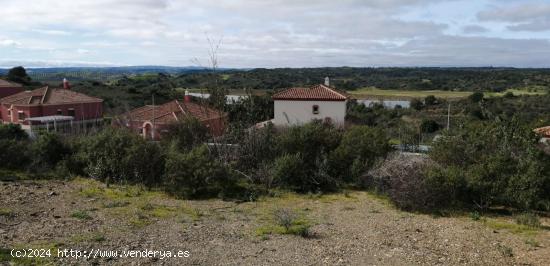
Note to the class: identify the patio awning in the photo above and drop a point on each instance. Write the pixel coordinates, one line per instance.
(50, 118)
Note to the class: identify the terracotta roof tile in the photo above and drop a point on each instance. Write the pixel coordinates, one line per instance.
(317, 92)
(48, 95)
(171, 112)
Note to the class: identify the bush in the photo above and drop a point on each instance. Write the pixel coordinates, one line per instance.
(476, 97)
(360, 147)
(430, 100)
(304, 164)
(256, 148)
(47, 151)
(429, 126)
(12, 131)
(288, 171)
(186, 134)
(405, 180)
(416, 104)
(14, 154)
(196, 174)
(117, 155)
(500, 163)
(291, 223)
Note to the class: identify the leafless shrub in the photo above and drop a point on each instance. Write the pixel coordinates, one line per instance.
(284, 218)
(403, 178)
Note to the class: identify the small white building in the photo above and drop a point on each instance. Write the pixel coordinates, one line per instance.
(296, 106)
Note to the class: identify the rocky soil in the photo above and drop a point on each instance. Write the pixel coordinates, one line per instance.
(347, 229)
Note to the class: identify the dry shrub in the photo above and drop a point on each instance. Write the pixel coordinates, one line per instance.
(403, 178)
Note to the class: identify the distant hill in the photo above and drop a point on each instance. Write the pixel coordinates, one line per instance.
(55, 74)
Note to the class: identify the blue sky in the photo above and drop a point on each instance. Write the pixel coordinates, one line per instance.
(276, 33)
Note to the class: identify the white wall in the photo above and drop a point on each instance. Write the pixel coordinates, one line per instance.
(300, 112)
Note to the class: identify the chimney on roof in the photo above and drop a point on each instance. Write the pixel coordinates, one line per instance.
(327, 82)
(187, 97)
(66, 84)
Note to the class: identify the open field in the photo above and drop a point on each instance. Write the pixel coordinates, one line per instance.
(518, 92)
(371, 92)
(354, 228)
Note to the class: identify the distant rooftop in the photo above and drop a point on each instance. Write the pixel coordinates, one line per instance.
(173, 111)
(313, 93)
(46, 95)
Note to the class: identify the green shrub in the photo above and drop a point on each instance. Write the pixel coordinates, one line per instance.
(429, 126)
(48, 150)
(475, 216)
(117, 155)
(288, 171)
(476, 97)
(360, 147)
(291, 223)
(82, 215)
(186, 134)
(12, 131)
(416, 104)
(14, 155)
(500, 162)
(430, 100)
(196, 174)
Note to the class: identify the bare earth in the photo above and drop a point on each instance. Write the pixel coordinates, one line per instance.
(348, 229)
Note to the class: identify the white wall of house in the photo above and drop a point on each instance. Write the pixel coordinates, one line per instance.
(288, 112)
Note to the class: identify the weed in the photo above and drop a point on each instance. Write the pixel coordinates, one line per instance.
(284, 217)
(514, 228)
(82, 215)
(140, 220)
(475, 216)
(6, 212)
(116, 204)
(532, 242)
(286, 222)
(147, 207)
(99, 238)
(195, 214)
(528, 219)
(505, 250)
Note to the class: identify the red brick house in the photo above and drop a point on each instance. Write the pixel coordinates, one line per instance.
(152, 121)
(51, 109)
(8, 88)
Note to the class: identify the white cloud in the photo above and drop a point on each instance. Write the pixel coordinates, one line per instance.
(10, 43)
(277, 32)
(52, 32)
(82, 51)
(528, 16)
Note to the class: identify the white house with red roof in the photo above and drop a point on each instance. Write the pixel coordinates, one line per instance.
(296, 106)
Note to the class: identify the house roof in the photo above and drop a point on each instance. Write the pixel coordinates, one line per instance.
(46, 95)
(314, 93)
(544, 131)
(172, 111)
(9, 84)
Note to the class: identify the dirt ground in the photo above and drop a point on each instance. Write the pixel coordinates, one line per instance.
(353, 228)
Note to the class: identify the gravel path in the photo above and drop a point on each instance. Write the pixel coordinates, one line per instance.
(348, 229)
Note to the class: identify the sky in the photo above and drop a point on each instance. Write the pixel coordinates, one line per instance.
(275, 33)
